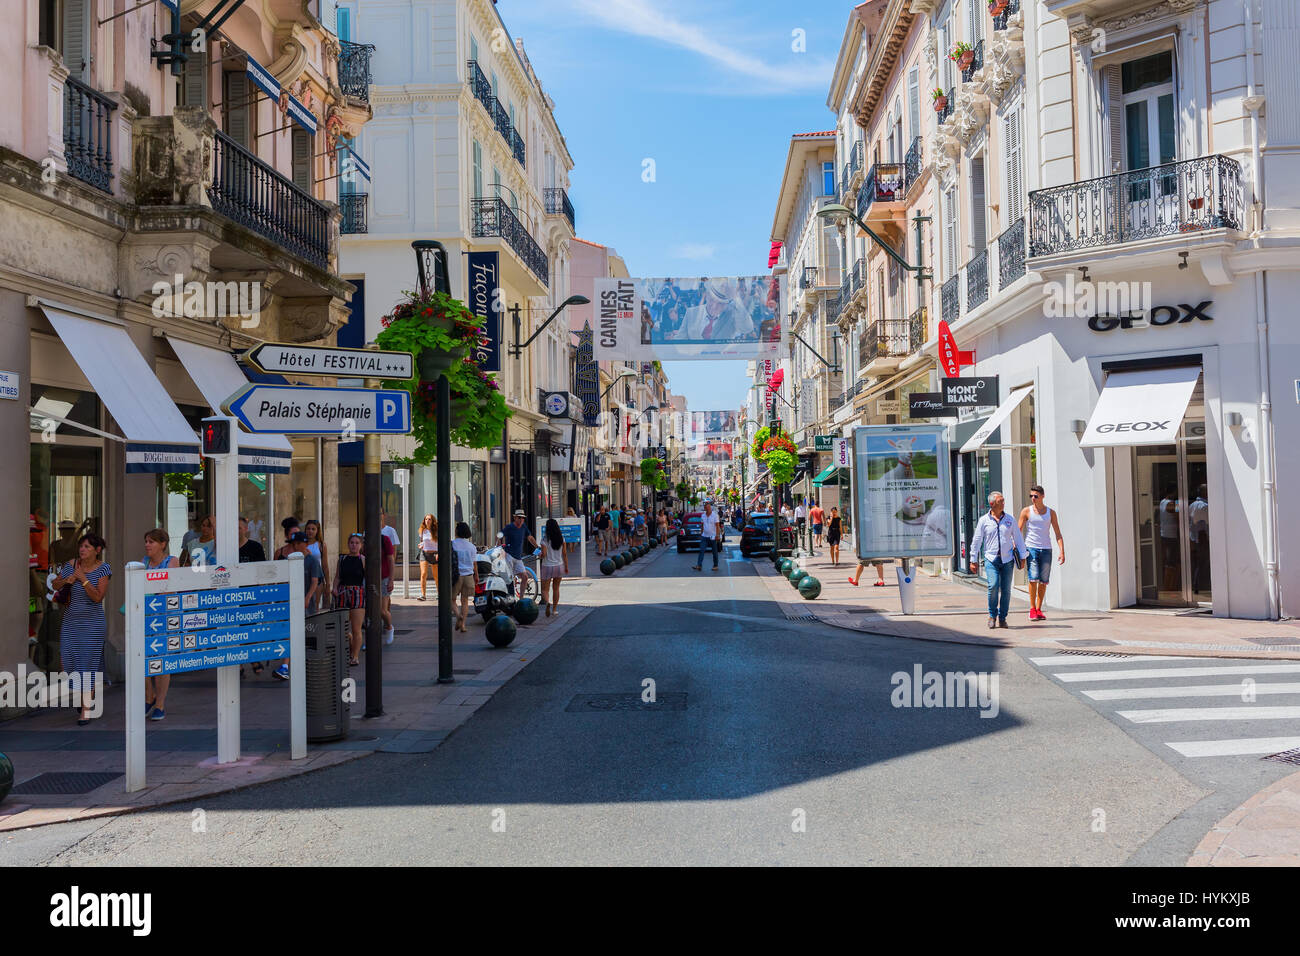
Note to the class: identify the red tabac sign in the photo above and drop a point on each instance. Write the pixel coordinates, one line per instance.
(951, 359)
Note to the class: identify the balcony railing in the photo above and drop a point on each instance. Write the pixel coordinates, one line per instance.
(251, 193)
(1182, 197)
(501, 119)
(950, 300)
(88, 134)
(353, 206)
(977, 279)
(978, 61)
(1000, 21)
(912, 165)
(884, 183)
(809, 277)
(846, 289)
(851, 165)
(354, 69)
(1011, 253)
(859, 277)
(948, 106)
(492, 217)
(831, 305)
(885, 338)
(916, 330)
(517, 147)
(479, 84)
(557, 203)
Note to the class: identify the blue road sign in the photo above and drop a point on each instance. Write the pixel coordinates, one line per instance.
(218, 598)
(177, 643)
(307, 410)
(243, 616)
(219, 657)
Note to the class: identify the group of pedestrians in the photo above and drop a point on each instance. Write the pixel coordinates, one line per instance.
(1006, 545)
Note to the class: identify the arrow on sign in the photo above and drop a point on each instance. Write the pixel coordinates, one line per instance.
(153, 604)
(313, 360)
(155, 624)
(279, 649)
(155, 645)
(308, 410)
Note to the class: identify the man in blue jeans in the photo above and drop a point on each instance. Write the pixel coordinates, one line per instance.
(710, 536)
(997, 540)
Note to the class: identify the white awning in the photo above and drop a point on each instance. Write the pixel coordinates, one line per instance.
(1000, 414)
(218, 377)
(1141, 407)
(159, 439)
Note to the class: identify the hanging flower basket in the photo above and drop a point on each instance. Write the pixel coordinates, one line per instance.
(940, 100)
(996, 7)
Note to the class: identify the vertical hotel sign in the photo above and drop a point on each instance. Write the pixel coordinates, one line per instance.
(587, 376)
(483, 284)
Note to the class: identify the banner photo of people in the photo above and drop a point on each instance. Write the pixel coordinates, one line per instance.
(711, 453)
(690, 318)
(901, 490)
(715, 424)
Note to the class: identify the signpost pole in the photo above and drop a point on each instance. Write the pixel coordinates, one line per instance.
(402, 478)
(227, 529)
(298, 659)
(445, 553)
(135, 742)
(374, 578)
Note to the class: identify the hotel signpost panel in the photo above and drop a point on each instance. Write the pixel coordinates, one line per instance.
(333, 362)
(312, 410)
(185, 619)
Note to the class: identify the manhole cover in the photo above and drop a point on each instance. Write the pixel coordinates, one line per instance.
(1274, 641)
(609, 703)
(1286, 756)
(65, 782)
(1089, 642)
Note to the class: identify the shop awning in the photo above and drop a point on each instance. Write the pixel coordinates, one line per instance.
(1000, 415)
(218, 376)
(1141, 407)
(158, 439)
(829, 476)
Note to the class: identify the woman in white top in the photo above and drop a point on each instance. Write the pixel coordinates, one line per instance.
(428, 553)
(467, 571)
(555, 564)
(316, 545)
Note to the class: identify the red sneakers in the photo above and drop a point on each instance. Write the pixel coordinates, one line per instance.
(1036, 615)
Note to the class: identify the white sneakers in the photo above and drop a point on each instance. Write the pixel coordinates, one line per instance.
(388, 635)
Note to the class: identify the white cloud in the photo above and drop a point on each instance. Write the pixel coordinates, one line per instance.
(643, 18)
(694, 250)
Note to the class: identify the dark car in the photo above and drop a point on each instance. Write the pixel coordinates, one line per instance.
(757, 535)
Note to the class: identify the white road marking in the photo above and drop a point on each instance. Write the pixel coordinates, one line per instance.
(1199, 690)
(1163, 672)
(1068, 659)
(1234, 748)
(1172, 714)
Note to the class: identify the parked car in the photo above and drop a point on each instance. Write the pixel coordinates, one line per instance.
(757, 535)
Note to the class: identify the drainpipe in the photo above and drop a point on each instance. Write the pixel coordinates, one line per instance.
(1254, 103)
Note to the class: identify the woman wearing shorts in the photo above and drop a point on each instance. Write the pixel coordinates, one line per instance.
(555, 565)
(467, 569)
(833, 537)
(350, 594)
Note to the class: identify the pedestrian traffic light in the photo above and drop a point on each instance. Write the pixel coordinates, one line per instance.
(216, 437)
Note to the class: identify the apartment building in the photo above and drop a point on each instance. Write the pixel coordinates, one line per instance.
(168, 197)
(465, 150)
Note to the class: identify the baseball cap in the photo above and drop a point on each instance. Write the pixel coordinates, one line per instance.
(298, 536)
(519, 513)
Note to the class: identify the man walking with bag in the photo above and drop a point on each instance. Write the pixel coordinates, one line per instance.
(998, 542)
(710, 536)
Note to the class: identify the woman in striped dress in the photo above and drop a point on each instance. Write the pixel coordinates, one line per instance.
(81, 640)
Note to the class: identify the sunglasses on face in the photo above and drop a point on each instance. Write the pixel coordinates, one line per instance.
(1035, 497)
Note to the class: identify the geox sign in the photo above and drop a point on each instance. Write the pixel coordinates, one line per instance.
(1158, 315)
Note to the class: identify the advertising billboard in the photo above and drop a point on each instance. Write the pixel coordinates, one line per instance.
(711, 453)
(484, 279)
(715, 424)
(901, 491)
(672, 319)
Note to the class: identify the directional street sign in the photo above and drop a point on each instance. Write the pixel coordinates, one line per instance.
(313, 360)
(303, 410)
(221, 657)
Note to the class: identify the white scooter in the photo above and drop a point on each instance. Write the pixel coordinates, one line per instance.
(495, 592)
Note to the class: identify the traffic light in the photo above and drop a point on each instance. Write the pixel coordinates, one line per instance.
(216, 437)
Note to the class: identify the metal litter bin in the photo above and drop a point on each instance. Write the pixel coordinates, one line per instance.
(329, 716)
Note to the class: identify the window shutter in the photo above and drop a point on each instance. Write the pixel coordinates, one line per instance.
(236, 107)
(473, 48)
(194, 79)
(974, 21)
(76, 38)
(478, 170)
(1115, 118)
(1014, 152)
(913, 104)
(978, 206)
(301, 141)
(328, 16)
(831, 255)
(949, 233)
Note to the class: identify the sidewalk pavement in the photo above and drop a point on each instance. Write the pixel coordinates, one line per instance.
(181, 763)
(1263, 831)
(958, 612)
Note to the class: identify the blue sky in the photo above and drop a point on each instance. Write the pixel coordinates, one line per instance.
(711, 93)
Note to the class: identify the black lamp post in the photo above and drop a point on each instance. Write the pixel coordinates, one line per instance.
(517, 349)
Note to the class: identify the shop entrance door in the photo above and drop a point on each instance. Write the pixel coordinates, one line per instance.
(1173, 533)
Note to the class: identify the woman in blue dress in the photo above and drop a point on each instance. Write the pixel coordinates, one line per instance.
(81, 640)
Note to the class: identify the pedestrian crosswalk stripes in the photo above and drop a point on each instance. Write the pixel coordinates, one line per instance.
(1215, 695)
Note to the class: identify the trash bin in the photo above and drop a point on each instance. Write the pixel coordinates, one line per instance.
(326, 667)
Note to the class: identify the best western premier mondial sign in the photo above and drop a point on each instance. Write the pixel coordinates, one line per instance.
(311, 360)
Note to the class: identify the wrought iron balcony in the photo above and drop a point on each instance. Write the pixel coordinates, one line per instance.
(912, 165)
(251, 193)
(478, 84)
(969, 72)
(501, 119)
(852, 164)
(354, 69)
(884, 183)
(884, 338)
(949, 105)
(808, 278)
(977, 279)
(1182, 197)
(859, 276)
(88, 134)
(846, 290)
(354, 207)
(517, 147)
(916, 330)
(1000, 20)
(950, 300)
(492, 217)
(1011, 253)
(557, 203)
(831, 305)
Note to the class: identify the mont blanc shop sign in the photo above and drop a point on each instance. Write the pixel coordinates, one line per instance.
(1157, 315)
(970, 391)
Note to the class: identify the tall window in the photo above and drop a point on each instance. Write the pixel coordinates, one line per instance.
(239, 114)
(950, 232)
(300, 140)
(473, 48)
(978, 207)
(343, 22)
(1147, 87)
(477, 152)
(914, 102)
(194, 79)
(1014, 201)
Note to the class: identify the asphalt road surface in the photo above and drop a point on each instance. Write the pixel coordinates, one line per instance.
(769, 742)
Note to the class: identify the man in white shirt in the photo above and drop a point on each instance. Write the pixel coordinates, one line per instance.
(800, 519)
(998, 543)
(710, 536)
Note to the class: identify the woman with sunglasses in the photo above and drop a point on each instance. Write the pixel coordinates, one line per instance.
(428, 553)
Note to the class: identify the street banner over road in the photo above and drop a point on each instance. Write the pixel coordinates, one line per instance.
(344, 363)
(689, 318)
(713, 424)
(303, 410)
